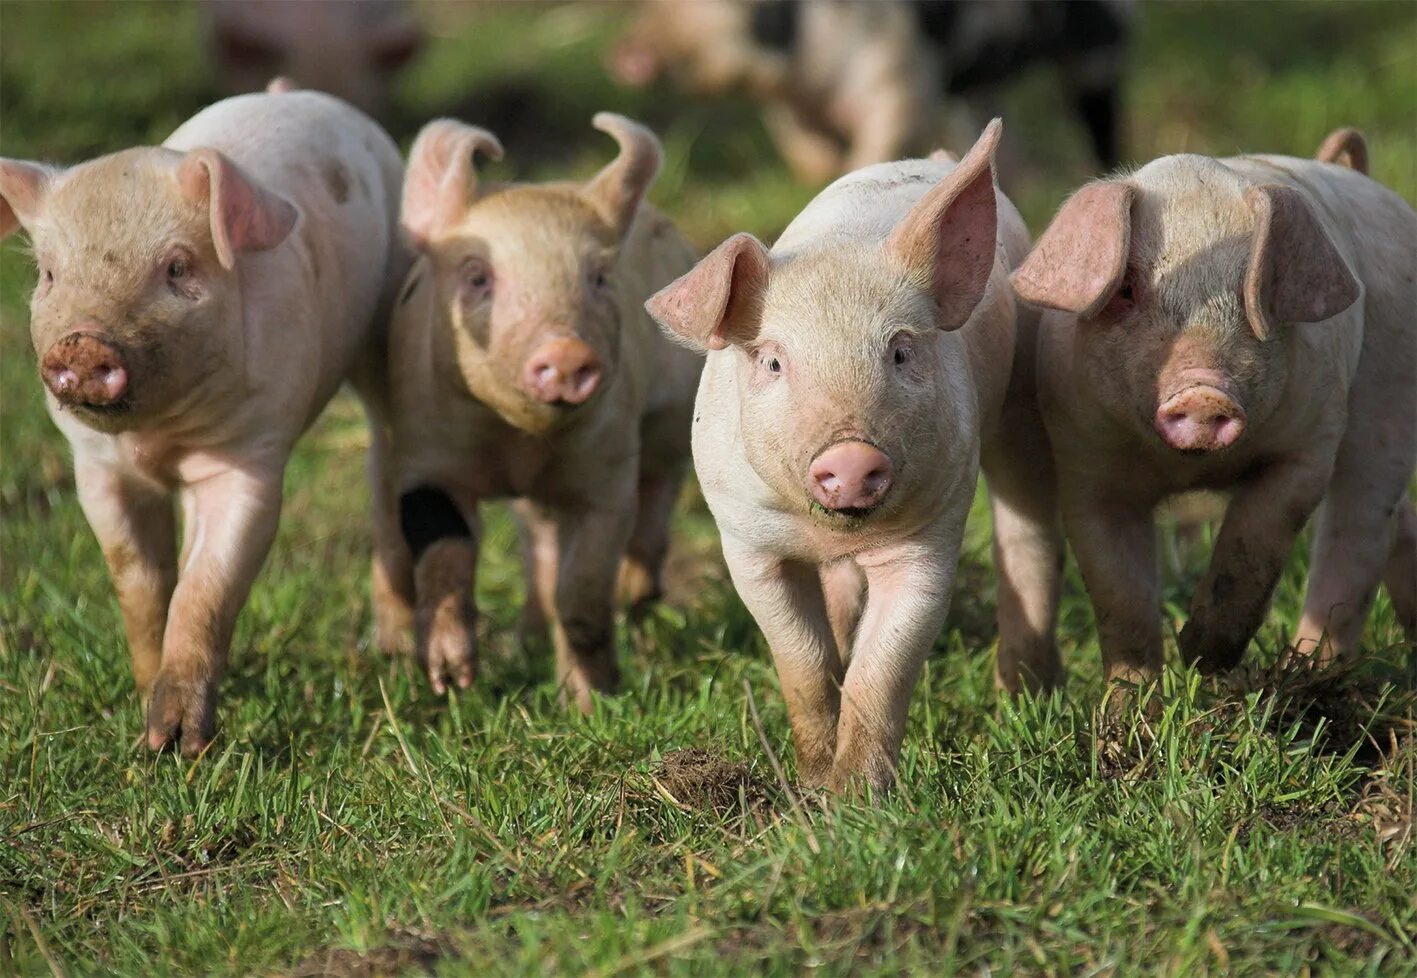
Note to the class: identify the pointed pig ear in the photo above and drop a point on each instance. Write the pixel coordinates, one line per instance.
(949, 239)
(720, 300)
(616, 191)
(22, 189)
(1079, 262)
(1296, 275)
(441, 181)
(1345, 147)
(244, 216)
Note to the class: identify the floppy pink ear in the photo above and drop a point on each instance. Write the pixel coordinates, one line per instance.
(720, 300)
(616, 191)
(22, 189)
(950, 237)
(244, 216)
(1079, 262)
(441, 179)
(1296, 275)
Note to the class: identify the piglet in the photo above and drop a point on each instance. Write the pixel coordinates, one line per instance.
(855, 374)
(525, 367)
(352, 49)
(1242, 325)
(198, 304)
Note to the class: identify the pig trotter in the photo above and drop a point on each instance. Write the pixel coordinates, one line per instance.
(181, 713)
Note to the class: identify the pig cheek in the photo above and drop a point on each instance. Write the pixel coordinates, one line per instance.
(775, 444)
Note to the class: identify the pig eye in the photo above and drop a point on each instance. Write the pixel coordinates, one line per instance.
(46, 282)
(477, 276)
(770, 363)
(177, 269)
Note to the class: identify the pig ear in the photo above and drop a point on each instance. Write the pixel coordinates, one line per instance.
(950, 237)
(617, 190)
(1296, 275)
(1081, 259)
(441, 180)
(720, 300)
(244, 216)
(22, 189)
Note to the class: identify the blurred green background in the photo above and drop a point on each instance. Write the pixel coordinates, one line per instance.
(349, 823)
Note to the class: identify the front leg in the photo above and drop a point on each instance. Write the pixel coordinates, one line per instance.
(232, 518)
(1114, 541)
(1261, 523)
(590, 543)
(785, 599)
(137, 531)
(907, 599)
(442, 534)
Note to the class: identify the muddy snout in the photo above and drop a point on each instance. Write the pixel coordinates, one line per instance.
(85, 370)
(1200, 418)
(850, 477)
(563, 371)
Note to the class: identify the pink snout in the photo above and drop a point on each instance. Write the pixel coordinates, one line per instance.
(84, 369)
(850, 475)
(1200, 419)
(563, 371)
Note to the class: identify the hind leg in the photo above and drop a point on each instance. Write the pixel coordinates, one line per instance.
(1400, 576)
(537, 531)
(391, 577)
(844, 588)
(641, 577)
(1353, 546)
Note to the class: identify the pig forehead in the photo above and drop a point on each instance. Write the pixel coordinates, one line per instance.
(120, 203)
(1188, 206)
(846, 296)
(538, 221)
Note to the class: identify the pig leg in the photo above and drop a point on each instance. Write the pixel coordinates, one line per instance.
(443, 535)
(813, 157)
(1028, 547)
(908, 597)
(137, 531)
(642, 570)
(590, 543)
(844, 587)
(1261, 523)
(231, 521)
(537, 532)
(391, 577)
(785, 599)
(884, 132)
(1359, 534)
(1114, 542)
(1400, 576)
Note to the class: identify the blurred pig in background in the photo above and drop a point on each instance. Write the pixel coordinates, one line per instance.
(846, 84)
(349, 48)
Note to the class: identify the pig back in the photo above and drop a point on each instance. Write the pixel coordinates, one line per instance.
(653, 255)
(312, 302)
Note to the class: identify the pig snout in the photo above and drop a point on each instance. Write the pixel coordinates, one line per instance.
(564, 371)
(1201, 418)
(84, 369)
(850, 476)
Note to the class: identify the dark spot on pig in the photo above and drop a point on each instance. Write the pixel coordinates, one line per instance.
(410, 288)
(337, 180)
(427, 515)
(110, 258)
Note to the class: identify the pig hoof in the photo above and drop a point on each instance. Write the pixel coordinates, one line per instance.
(1208, 654)
(180, 714)
(450, 657)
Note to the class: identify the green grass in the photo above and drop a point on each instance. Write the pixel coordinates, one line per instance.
(346, 821)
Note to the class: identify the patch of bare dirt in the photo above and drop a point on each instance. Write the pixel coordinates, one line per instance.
(699, 779)
(404, 953)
